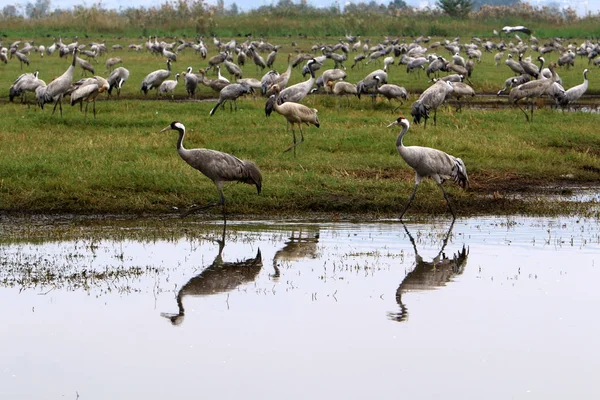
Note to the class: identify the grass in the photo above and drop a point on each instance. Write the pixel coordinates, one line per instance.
(119, 163)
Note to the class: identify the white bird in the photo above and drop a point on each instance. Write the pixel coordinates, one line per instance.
(519, 28)
(432, 163)
(217, 166)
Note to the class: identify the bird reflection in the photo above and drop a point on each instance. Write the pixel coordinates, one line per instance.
(429, 275)
(300, 245)
(219, 277)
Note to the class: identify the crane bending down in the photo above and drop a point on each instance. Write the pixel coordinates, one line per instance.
(218, 166)
(294, 113)
(428, 162)
(56, 89)
(531, 90)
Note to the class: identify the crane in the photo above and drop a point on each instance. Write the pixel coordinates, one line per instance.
(294, 113)
(191, 82)
(87, 90)
(27, 82)
(573, 94)
(391, 91)
(58, 87)
(116, 79)
(342, 88)
(169, 86)
(531, 90)
(297, 92)
(155, 78)
(217, 166)
(431, 98)
(231, 92)
(428, 162)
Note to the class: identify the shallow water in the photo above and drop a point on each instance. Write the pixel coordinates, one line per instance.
(496, 308)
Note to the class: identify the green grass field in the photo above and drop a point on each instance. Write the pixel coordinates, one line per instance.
(119, 163)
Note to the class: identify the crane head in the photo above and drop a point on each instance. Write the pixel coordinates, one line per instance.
(176, 126)
(400, 121)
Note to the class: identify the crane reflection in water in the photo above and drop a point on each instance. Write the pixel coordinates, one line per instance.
(301, 244)
(428, 275)
(219, 277)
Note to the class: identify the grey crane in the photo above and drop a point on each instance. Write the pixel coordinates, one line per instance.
(217, 166)
(512, 81)
(191, 82)
(233, 69)
(391, 91)
(428, 275)
(435, 66)
(281, 80)
(169, 86)
(431, 98)
(294, 113)
(85, 66)
(369, 83)
(215, 84)
(297, 92)
(154, 79)
(58, 87)
(333, 75)
(271, 58)
(432, 163)
(460, 90)
(357, 60)
(573, 94)
(86, 91)
(219, 277)
(216, 60)
(514, 65)
(231, 93)
(116, 79)
(23, 59)
(111, 62)
(528, 67)
(531, 90)
(258, 60)
(27, 82)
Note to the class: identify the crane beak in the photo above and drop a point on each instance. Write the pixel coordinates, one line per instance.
(166, 129)
(393, 124)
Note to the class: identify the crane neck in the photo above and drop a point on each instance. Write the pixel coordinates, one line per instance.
(180, 147)
(399, 143)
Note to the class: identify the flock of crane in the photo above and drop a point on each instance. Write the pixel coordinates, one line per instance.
(527, 82)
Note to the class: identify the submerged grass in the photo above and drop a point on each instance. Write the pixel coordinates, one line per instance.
(119, 163)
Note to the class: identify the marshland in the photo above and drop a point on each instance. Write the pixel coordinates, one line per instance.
(314, 287)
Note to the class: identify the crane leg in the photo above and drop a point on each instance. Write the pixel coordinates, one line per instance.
(524, 112)
(94, 109)
(221, 202)
(86, 108)
(448, 202)
(294, 136)
(532, 104)
(435, 117)
(410, 199)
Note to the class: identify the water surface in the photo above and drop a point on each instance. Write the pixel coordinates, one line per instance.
(496, 308)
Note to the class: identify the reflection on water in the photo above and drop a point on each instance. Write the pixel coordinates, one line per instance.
(428, 275)
(301, 244)
(218, 277)
(81, 307)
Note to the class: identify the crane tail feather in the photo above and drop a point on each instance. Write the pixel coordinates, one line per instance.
(459, 173)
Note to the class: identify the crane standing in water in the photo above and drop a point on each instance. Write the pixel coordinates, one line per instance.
(428, 162)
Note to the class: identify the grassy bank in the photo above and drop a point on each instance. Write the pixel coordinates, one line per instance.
(119, 163)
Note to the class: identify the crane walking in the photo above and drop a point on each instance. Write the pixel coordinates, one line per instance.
(294, 113)
(428, 162)
(217, 166)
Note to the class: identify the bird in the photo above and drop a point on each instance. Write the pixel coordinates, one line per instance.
(85, 66)
(294, 113)
(514, 65)
(519, 28)
(23, 59)
(169, 86)
(116, 79)
(528, 67)
(217, 166)
(460, 90)
(573, 94)
(231, 92)
(111, 62)
(27, 82)
(215, 84)
(155, 78)
(531, 90)
(428, 162)
(391, 91)
(191, 81)
(369, 82)
(58, 87)
(431, 98)
(297, 92)
(87, 90)
(342, 88)
(219, 76)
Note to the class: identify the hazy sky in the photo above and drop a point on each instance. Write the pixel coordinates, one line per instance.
(582, 6)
